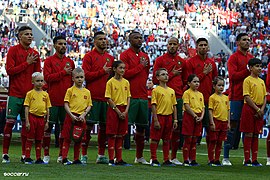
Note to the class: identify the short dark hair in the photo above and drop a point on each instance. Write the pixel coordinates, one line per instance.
(216, 79)
(133, 32)
(23, 28)
(55, 39)
(200, 40)
(98, 33)
(254, 61)
(159, 70)
(191, 77)
(239, 36)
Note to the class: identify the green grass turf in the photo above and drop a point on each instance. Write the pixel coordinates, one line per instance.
(96, 171)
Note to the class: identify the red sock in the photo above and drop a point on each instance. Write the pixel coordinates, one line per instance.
(218, 150)
(192, 154)
(111, 145)
(175, 143)
(118, 148)
(101, 139)
(153, 150)
(61, 141)
(166, 150)
(65, 148)
(7, 135)
(77, 146)
(211, 150)
(186, 148)
(254, 148)
(247, 147)
(38, 149)
(28, 147)
(85, 141)
(139, 145)
(268, 145)
(46, 142)
(23, 141)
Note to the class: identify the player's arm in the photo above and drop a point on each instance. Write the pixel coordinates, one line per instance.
(190, 111)
(175, 121)
(155, 119)
(27, 123)
(66, 105)
(234, 73)
(211, 120)
(49, 76)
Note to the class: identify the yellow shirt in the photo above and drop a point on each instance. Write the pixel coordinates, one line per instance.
(78, 99)
(255, 89)
(194, 99)
(164, 99)
(118, 91)
(220, 106)
(38, 102)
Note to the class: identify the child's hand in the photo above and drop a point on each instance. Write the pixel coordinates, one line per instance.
(175, 125)
(121, 116)
(156, 125)
(124, 114)
(212, 127)
(260, 113)
(46, 125)
(81, 118)
(27, 125)
(74, 118)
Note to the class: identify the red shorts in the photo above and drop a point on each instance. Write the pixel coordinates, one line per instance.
(249, 123)
(190, 127)
(115, 125)
(220, 132)
(23, 130)
(166, 127)
(36, 127)
(68, 124)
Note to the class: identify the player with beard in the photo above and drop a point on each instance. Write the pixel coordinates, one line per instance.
(205, 68)
(58, 75)
(238, 71)
(176, 67)
(137, 71)
(22, 62)
(97, 66)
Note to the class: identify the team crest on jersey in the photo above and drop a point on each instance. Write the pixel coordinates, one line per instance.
(167, 63)
(74, 95)
(125, 88)
(200, 99)
(179, 63)
(44, 99)
(107, 59)
(198, 65)
(67, 64)
(57, 64)
(85, 97)
(9, 111)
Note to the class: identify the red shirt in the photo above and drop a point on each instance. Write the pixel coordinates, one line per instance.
(95, 76)
(195, 65)
(170, 62)
(237, 69)
(136, 73)
(19, 71)
(57, 79)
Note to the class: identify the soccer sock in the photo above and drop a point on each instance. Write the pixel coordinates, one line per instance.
(23, 141)
(174, 143)
(118, 148)
(28, 147)
(66, 144)
(268, 145)
(192, 154)
(166, 150)
(254, 148)
(85, 141)
(153, 149)
(101, 139)
(38, 149)
(46, 142)
(211, 150)
(186, 148)
(139, 145)
(247, 147)
(77, 146)
(61, 144)
(218, 150)
(7, 135)
(111, 145)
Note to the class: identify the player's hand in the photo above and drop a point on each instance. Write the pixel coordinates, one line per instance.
(229, 126)
(125, 114)
(175, 125)
(156, 125)
(176, 72)
(68, 69)
(213, 127)
(107, 69)
(27, 125)
(46, 125)
(143, 61)
(31, 58)
(260, 113)
(207, 68)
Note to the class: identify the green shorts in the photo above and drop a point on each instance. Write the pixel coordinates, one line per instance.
(15, 107)
(57, 115)
(179, 107)
(97, 113)
(205, 120)
(138, 112)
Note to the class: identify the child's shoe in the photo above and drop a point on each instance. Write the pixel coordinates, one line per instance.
(66, 162)
(40, 161)
(5, 159)
(28, 161)
(226, 162)
(212, 163)
(194, 163)
(168, 163)
(46, 159)
(84, 159)
(256, 163)
(248, 163)
(217, 162)
(122, 163)
(111, 163)
(176, 162)
(141, 161)
(186, 163)
(77, 161)
(102, 160)
(59, 159)
(155, 163)
(23, 159)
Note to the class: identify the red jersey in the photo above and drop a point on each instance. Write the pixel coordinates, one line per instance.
(170, 62)
(136, 73)
(237, 69)
(195, 65)
(57, 79)
(95, 76)
(19, 71)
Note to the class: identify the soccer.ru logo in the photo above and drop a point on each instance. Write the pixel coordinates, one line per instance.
(18, 174)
